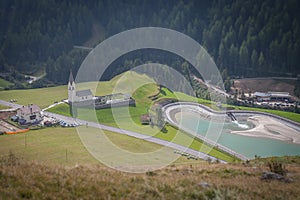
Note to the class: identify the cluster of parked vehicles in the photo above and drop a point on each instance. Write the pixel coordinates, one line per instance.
(52, 121)
(66, 124)
(189, 156)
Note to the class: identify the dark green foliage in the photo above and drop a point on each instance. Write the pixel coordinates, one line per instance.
(150, 173)
(277, 167)
(255, 38)
(248, 38)
(297, 87)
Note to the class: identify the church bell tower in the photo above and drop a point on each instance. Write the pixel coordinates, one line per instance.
(71, 88)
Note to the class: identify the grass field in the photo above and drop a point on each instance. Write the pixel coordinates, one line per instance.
(30, 180)
(3, 107)
(289, 115)
(123, 115)
(4, 84)
(42, 97)
(63, 146)
(105, 117)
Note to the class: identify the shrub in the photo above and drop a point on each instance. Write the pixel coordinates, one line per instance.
(277, 167)
(150, 173)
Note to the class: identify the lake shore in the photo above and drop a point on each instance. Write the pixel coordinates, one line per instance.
(264, 126)
(270, 128)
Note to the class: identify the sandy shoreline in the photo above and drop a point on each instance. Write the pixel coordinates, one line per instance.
(265, 126)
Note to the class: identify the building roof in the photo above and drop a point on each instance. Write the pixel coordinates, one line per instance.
(272, 94)
(71, 78)
(279, 94)
(84, 93)
(261, 94)
(145, 118)
(30, 109)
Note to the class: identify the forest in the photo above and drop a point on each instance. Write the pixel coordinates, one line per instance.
(247, 38)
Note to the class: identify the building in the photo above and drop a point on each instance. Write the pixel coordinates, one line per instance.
(273, 96)
(85, 98)
(262, 96)
(81, 96)
(114, 100)
(30, 114)
(145, 119)
(280, 96)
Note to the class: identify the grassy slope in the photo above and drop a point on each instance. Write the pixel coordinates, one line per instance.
(4, 83)
(3, 107)
(143, 103)
(122, 83)
(289, 115)
(35, 181)
(43, 97)
(50, 146)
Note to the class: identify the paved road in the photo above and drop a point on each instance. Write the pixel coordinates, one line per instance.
(12, 106)
(167, 109)
(136, 135)
(211, 87)
(82, 47)
(126, 132)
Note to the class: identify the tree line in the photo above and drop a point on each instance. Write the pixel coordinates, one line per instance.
(247, 38)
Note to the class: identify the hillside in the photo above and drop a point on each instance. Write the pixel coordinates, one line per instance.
(265, 85)
(141, 87)
(62, 146)
(249, 38)
(31, 180)
(44, 97)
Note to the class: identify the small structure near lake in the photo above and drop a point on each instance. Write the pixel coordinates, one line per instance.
(145, 119)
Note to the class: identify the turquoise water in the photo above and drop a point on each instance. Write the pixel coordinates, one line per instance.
(245, 145)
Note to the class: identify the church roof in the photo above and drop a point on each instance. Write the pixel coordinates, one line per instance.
(84, 93)
(71, 78)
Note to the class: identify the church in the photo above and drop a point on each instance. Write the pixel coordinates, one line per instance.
(81, 97)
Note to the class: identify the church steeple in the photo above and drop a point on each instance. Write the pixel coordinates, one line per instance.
(71, 78)
(71, 88)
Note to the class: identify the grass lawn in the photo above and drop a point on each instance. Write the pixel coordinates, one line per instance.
(63, 146)
(42, 97)
(4, 84)
(121, 118)
(289, 115)
(3, 107)
(124, 117)
(47, 145)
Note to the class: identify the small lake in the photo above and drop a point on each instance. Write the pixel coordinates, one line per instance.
(245, 145)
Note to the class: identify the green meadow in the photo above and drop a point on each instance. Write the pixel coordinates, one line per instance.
(4, 84)
(56, 145)
(127, 118)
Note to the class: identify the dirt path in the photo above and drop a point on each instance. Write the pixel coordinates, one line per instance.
(265, 85)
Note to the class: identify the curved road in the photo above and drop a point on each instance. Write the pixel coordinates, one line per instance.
(169, 107)
(137, 135)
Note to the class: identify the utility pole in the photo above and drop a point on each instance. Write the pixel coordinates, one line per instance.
(66, 155)
(25, 139)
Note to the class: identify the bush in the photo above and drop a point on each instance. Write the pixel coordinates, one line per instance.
(150, 173)
(277, 168)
